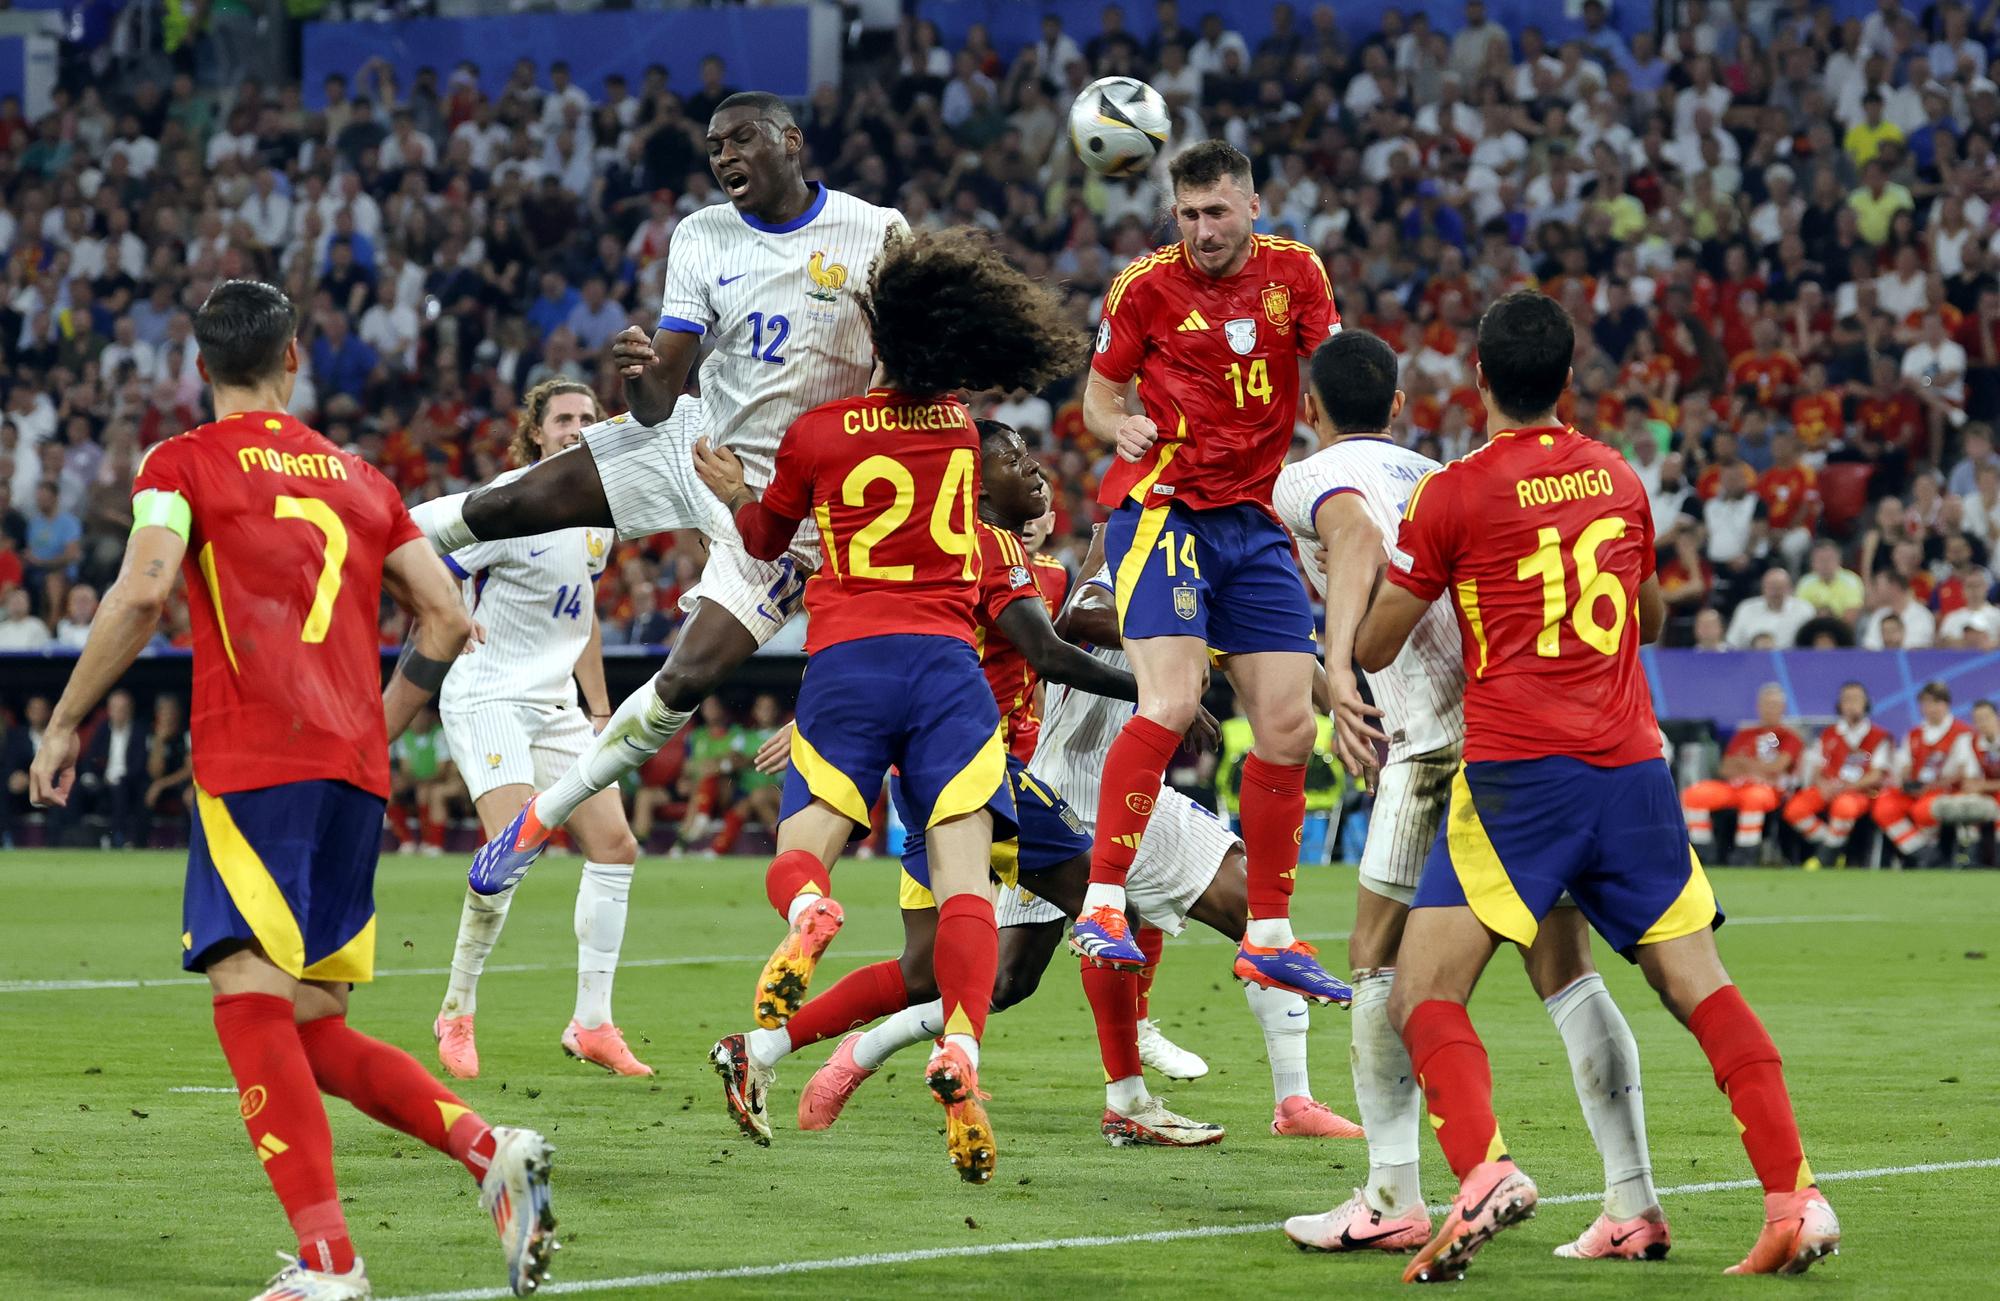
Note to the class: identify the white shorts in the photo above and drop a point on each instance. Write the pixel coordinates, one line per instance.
(763, 595)
(1184, 846)
(504, 744)
(1410, 803)
(647, 472)
(1017, 907)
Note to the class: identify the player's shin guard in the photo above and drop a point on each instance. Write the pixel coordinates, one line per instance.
(1274, 811)
(794, 879)
(1750, 1073)
(640, 725)
(1284, 1018)
(1457, 1080)
(1385, 1092)
(601, 902)
(386, 1084)
(1113, 995)
(965, 959)
(287, 1123)
(860, 996)
(1604, 1062)
(912, 1025)
(479, 921)
(1134, 769)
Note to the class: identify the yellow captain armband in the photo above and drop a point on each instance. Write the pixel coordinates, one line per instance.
(159, 508)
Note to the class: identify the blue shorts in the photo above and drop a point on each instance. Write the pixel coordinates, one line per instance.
(1521, 832)
(1050, 834)
(1226, 576)
(917, 703)
(291, 867)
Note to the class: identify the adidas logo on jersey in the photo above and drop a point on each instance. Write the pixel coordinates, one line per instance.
(1194, 321)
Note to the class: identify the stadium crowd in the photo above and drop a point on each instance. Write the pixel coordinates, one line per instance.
(1778, 232)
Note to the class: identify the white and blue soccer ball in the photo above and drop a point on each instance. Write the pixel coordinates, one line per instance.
(1118, 125)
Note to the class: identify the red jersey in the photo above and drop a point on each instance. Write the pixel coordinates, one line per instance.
(1940, 760)
(891, 480)
(1987, 751)
(1006, 576)
(1766, 745)
(286, 540)
(1543, 537)
(1024, 732)
(1842, 761)
(1817, 418)
(1768, 375)
(1896, 420)
(1218, 369)
(1791, 496)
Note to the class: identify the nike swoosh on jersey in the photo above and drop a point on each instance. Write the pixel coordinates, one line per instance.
(730, 280)
(1300, 1012)
(543, 552)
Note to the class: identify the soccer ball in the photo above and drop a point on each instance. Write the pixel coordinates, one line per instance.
(1118, 125)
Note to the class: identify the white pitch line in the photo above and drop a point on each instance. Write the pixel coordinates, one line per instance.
(669, 1277)
(702, 960)
(202, 1088)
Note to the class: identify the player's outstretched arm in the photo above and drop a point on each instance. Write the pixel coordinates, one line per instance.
(1391, 617)
(1652, 611)
(125, 622)
(421, 584)
(1353, 546)
(1027, 625)
(655, 370)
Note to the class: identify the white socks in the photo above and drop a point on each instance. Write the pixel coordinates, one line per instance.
(1604, 1060)
(1127, 1095)
(1269, 932)
(1100, 894)
(442, 520)
(1285, 1019)
(1386, 1094)
(968, 1044)
(600, 932)
(768, 1047)
(892, 1034)
(801, 902)
(638, 728)
(479, 923)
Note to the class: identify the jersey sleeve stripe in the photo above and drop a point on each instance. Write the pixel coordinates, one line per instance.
(1325, 497)
(457, 570)
(681, 325)
(1416, 494)
(1126, 279)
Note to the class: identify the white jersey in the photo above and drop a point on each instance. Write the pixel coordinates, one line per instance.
(782, 303)
(536, 598)
(1422, 694)
(1078, 728)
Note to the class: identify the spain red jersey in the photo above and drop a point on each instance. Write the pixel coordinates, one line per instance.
(286, 539)
(891, 481)
(1766, 745)
(1006, 576)
(1791, 496)
(1218, 369)
(1939, 757)
(1768, 375)
(1846, 758)
(1542, 536)
(1817, 418)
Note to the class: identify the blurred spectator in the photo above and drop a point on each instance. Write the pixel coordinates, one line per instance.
(1777, 614)
(1708, 633)
(650, 626)
(111, 778)
(79, 608)
(16, 753)
(55, 537)
(1738, 537)
(1891, 602)
(1830, 589)
(1974, 625)
(169, 758)
(20, 630)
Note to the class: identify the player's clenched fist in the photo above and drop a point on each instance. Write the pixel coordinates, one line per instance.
(1136, 436)
(632, 352)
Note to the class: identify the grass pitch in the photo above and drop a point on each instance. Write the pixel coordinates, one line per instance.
(124, 1171)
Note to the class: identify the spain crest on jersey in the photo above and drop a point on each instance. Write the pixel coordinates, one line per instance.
(1241, 334)
(1185, 600)
(1278, 305)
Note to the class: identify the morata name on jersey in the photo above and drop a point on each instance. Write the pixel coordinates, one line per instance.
(872, 420)
(1550, 489)
(304, 465)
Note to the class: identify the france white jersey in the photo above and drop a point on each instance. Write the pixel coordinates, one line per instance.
(535, 597)
(1422, 694)
(1078, 729)
(782, 304)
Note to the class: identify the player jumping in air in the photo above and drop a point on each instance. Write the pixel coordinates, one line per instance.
(1213, 330)
(1544, 538)
(1343, 504)
(510, 712)
(770, 280)
(287, 543)
(892, 678)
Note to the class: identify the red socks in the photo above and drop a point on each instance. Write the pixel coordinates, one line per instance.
(388, 1086)
(1748, 1072)
(791, 874)
(1134, 770)
(965, 958)
(855, 999)
(1457, 1080)
(1152, 942)
(287, 1124)
(1274, 813)
(1114, 1004)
